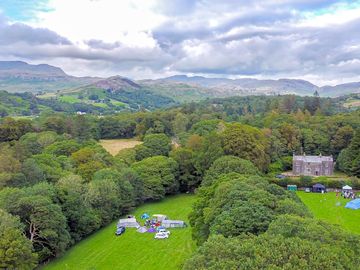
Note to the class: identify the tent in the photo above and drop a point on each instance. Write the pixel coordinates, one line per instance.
(346, 188)
(142, 230)
(292, 187)
(354, 204)
(173, 224)
(128, 222)
(160, 217)
(318, 188)
(151, 230)
(145, 216)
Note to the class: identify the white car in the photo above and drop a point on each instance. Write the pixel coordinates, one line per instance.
(161, 236)
(164, 231)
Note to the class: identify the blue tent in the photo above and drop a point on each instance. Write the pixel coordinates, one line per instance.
(145, 216)
(354, 204)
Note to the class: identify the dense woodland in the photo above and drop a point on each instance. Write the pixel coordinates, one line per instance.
(58, 185)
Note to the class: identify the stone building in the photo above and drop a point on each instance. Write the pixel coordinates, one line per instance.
(313, 165)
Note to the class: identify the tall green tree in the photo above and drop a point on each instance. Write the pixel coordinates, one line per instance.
(16, 250)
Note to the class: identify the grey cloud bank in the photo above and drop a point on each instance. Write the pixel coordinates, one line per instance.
(264, 39)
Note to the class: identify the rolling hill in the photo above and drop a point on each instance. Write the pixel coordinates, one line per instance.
(18, 76)
(115, 93)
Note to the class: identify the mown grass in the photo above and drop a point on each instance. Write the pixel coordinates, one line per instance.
(113, 146)
(325, 207)
(133, 250)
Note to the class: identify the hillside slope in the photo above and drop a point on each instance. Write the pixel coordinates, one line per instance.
(18, 76)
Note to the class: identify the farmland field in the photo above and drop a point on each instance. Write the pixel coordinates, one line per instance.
(114, 146)
(324, 207)
(133, 250)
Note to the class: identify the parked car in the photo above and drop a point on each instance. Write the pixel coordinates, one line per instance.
(164, 231)
(307, 189)
(280, 176)
(161, 236)
(120, 231)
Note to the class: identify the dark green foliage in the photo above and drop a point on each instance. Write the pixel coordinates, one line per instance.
(15, 250)
(188, 178)
(248, 143)
(234, 204)
(159, 144)
(270, 252)
(142, 152)
(115, 127)
(349, 158)
(159, 175)
(81, 218)
(228, 164)
(210, 149)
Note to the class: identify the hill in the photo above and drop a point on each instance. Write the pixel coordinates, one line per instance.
(223, 87)
(115, 93)
(18, 76)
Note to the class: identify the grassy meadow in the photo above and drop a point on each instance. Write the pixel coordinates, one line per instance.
(115, 145)
(325, 207)
(103, 250)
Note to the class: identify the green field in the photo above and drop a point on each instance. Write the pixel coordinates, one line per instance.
(70, 99)
(324, 207)
(133, 250)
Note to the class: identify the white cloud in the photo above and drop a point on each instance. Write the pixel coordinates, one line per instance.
(311, 39)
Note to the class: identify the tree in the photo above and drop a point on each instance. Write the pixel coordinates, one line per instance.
(159, 144)
(341, 139)
(15, 249)
(159, 175)
(44, 220)
(142, 152)
(63, 148)
(125, 189)
(90, 159)
(127, 156)
(188, 178)
(210, 150)
(258, 253)
(80, 216)
(290, 136)
(349, 158)
(180, 123)
(248, 143)
(103, 196)
(228, 164)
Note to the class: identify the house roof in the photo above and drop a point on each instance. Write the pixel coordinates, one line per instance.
(313, 159)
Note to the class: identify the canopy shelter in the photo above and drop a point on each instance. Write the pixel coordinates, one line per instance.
(128, 222)
(142, 230)
(145, 216)
(346, 188)
(354, 204)
(173, 224)
(318, 188)
(159, 217)
(292, 187)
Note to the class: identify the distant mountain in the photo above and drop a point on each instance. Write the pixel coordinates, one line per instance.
(340, 90)
(223, 87)
(248, 86)
(18, 76)
(115, 93)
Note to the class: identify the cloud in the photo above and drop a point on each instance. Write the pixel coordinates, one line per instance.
(315, 39)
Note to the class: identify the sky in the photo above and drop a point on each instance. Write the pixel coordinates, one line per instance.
(315, 40)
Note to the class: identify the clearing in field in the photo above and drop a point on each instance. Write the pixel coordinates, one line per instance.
(326, 207)
(133, 250)
(114, 146)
